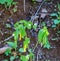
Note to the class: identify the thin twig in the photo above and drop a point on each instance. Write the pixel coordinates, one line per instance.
(32, 19)
(6, 39)
(35, 46)
(3, 49)
(37, 55)
(24, 6)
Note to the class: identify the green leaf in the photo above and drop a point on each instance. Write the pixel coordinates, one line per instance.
(31, 55)
(21, 50)
(12, 44)
(29, 25)
(9, 2)
(40, 35)
(35, 26)
(43, 37)
(5, 60)
(47, 46)
(46, 43)
(54, 14)
(24, 58)
(2, 1)
(14, 10)
(14, 3)
(27, 41)
(12, 58)
(7, 52)
(59, 6)
(8, 25)
(53, 26)
(16, 33)
(22, 31)
(56, 21)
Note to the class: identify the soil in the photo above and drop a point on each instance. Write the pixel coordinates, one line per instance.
(7, 16)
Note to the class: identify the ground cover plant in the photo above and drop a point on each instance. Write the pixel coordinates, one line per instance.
(29, 30)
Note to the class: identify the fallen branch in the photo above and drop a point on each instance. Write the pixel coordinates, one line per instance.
(6, 39)
(3, 49)
(24, 6)
(32, 19)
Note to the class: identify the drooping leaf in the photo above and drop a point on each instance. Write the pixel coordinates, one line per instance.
(40, 35)
(12, 44)
(56, 21)
(12, 58)
(54, 14)
(53, 26)
(24, 58)
(35, 26)
(16, 33)
(43, 37)
(21, 50)
(5, 60)
(26, 43)
(2, 1)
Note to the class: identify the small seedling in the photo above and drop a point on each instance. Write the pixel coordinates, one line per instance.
(43, 37)
(7, 3)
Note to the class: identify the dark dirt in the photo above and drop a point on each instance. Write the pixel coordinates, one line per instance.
(52, 54)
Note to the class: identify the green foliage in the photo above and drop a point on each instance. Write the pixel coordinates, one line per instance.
(20, 33)
(54, 14)
(7, 3)
(58, 6)
(26, 43)
(43, 37)
(27, 57)
(56, 20)
(5, 60)
(12, 58)
(21, 27)
(8, 26)
(21, 50)
(12, 44)
(24, 58)
(7, 52)
(35, 26)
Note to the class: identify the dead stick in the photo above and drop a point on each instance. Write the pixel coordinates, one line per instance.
(3, 49)
(7, 39)
(32, 19)
(24, 6)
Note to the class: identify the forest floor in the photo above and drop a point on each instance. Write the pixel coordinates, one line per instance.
(8, 17)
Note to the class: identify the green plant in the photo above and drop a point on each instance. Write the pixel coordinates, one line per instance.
(56, 20)
(43, 37)
(20, 34)
(7, 52)
(20, 30)
(27, 57)
(7, 3)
